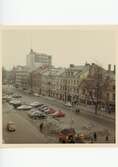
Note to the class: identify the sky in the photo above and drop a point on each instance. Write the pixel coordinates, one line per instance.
(67, 45)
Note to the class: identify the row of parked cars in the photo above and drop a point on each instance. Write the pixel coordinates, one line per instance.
(37, 109)
(42, 111)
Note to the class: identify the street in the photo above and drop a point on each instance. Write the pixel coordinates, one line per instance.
(28, 131)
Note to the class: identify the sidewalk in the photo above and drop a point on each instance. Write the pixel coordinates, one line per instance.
(86, 108)
(92, 110)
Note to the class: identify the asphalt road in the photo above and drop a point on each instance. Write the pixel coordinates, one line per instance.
(28, 129)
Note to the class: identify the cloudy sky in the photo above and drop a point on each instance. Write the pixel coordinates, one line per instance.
(67, 45)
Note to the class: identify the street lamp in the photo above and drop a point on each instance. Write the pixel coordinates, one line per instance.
(49, 84)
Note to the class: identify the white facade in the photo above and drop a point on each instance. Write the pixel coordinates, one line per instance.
(35, 60)
(22, 77)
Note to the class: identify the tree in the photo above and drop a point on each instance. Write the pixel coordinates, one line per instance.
(93, 85)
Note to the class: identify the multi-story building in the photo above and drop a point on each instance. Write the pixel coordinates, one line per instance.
(109, 88)
(69, 82)
(89, 83)
(35, 60)
(22, 77)
(50, 82)
(36, 80)
(99, 87)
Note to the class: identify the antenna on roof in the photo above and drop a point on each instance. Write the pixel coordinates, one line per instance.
(30, 40)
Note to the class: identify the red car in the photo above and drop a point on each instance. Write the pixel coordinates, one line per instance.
(58, 114)
(66, 134)
(51, 111)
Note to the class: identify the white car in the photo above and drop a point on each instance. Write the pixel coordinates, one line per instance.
(68, 104)
(15, 102)
(4, 97)
(36, 94)
(8, 98)
(37, 114)
(35, 104)
(43, 107)
(16, 96)
(24, 107)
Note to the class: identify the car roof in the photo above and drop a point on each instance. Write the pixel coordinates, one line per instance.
(66, 131)
(10, 122)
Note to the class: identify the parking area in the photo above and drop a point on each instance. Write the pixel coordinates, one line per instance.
(29, 129)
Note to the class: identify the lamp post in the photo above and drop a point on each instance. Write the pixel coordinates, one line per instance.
(65, 89)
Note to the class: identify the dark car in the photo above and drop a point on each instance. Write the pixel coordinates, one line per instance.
(11, 126)
(67, 135)
(38, 115)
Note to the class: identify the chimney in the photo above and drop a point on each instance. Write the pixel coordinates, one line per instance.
(109, 67)
(31, 50)
(114, 69)
(71, 65)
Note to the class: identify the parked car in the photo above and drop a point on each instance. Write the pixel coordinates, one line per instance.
(10, 93)
(24, 107)
(4, 97)
(8, 98)
(68, 104)
(66, 135)
(35, 104)
(58, 114)
(15, 103)
(41, 104)
(16, 96)
(43, 107)
(36, 94)
(11, 126)
(80, 138)
(37, 115)
(51, 110)
(45, 111)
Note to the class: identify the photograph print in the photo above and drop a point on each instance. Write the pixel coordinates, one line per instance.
(58, 85)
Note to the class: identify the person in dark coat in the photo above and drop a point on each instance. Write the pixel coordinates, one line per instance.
(107, 138)
(95, 136)
(41, 127)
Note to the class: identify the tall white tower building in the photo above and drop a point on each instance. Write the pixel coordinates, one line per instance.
(35, 59)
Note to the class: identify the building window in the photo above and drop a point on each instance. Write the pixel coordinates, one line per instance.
(107, 96)
(114, 87)
(83, 91)
(113, 96)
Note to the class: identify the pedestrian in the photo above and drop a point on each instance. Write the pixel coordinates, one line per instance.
(78, 110)
(95, 136)
(91, 139)
(107, 138)
(41, 127)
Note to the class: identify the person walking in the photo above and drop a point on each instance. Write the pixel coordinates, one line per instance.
(95, 136)
(41, 127)
(107, 138)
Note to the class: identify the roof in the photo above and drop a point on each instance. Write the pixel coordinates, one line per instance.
(54, 71)
(39, 54)
(110, 74)
(76, 70)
